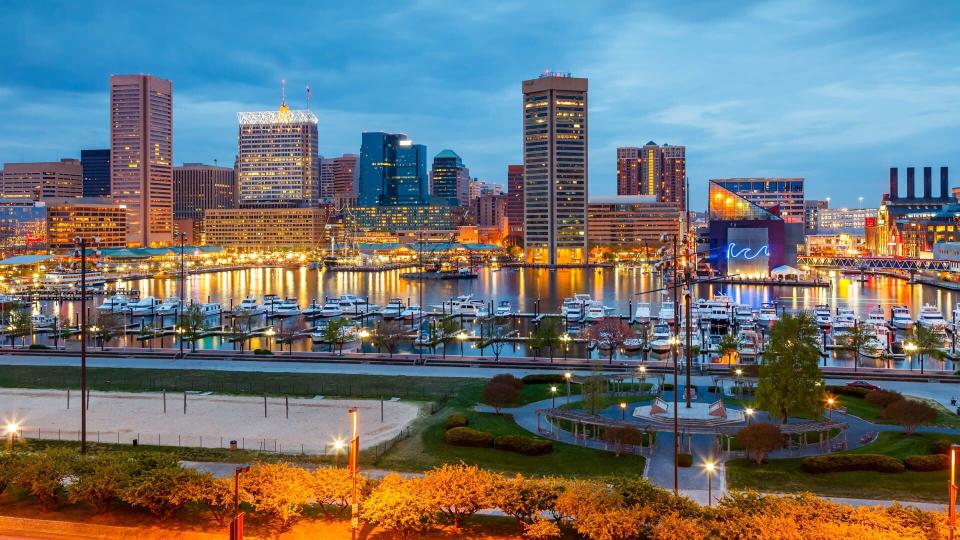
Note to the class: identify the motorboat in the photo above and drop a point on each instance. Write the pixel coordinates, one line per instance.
(572, 309)
(115, 304)
(211, 309)
(642, 313)
(42, 321)
(660, 339)
(632, 344)
(876, 343)
(768, 314)
(169, 306)
(250, 305)
(742, 314)
(331, 309)
(462, 305)
(412, 312)
(503, 309)
(313, 309)
(876, 317)
(716, 312)
(354, 306)
(64, 279)
(900, 318)
(143, 307)
(393, 309)
(348, 334)
(846, 318)
(595, 312)
(286, 308)
(931, 318)
(823, 315)
(666, 313)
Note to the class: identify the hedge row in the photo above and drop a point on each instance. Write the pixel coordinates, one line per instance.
(941, 446)
(928, 463)
(852, 462)
(852, 391)
(456, 420)
(528, 446)
(543, 378)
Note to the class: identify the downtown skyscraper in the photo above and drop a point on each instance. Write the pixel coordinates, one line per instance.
(449, 178)
(653, 170)
(278, 165)
(555, 169)
(141, 156)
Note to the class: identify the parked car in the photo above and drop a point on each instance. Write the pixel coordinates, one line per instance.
(863, 384)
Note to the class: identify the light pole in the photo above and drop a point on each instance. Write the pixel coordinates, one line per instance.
(553, 396)
(710, 467)
(830, 402)
(565, 338)
(337, 447)
(270, 333)
(623, 411)
(739, 373)
(749, 412)
(363, 334)
(461, 337)
(236, 527)
(674, 343)
(354, 471)
(11, 428)
(567, 376)
(911, 348)
(952, 486)
(81, 250)
(183, 283)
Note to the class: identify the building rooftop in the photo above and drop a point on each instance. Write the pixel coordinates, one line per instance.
(282, 116)
(446, 153)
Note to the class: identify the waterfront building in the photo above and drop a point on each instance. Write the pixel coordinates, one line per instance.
(555, 169)
(619, 223)
(449, 179)
(490, 214)
(745, 239)
(198, 187)
(141, 156)
(653, 170)
(86, 217)
(844, 220)
(811, 209)
(42, 180)
(278, 164)
(515, 203)
(478, 188)
(910, 225)
(96, 172)
(837, 244)
(326, 180)
(786, 194)
(23, 226)
(394, 219)
(266, 228)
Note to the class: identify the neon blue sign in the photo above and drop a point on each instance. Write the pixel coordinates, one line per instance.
(746, 253)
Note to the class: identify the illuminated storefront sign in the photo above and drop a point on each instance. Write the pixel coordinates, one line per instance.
(733, 252)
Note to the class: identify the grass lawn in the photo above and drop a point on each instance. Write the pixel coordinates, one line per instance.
(862, 408)
(784, 475)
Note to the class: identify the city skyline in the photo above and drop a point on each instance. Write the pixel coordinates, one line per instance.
(873, 91)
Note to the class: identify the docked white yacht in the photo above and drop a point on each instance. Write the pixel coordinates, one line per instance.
(931, 318)
(876, 317)
(211, 309)
(878, 340)
(117, 303)
(901, 318)
(595, 311)
(168, 306)
(354, 306)
(660, 339)
(462, 305)
(845, 319)
(70, 279)
(666, 314)
(823, 315)
(286, 308)
(143, 307)
(413, 312)
(768, 314)
(393, 309)
(642, 313)
(503, 309)
(331, 309)
(313, 309)
(250, 305)
(742, 314)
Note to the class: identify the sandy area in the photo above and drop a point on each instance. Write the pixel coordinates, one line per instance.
(210, 420)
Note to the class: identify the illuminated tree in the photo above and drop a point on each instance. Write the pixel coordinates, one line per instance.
(278, 490)
(99, 479)
(790, 378)
(399, 504)
(42, 475)
(760, 439)
(546, 336)
(193, 322)
(461, 490)
(612, 332)
(216, 496)
(526, 498)
(333, 486)
(911, 414)
(162, 491)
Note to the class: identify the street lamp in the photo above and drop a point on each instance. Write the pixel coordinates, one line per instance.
(710, 467)
(182, 236)
(749, 412)
(567, 376)
(739, 374)
(354, 471)
(952, 486)
(270, 333)
(11, 429)
(236, 527)
(623, 411)
(553, 396)
(461, 337)
(565, 338)
(643, 377)
(830, 402)
(337, 447)
(911, 348)
(363, 334)
(81, 251)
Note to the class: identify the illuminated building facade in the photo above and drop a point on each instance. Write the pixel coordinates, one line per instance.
(198, 187)
(86, 217)
(342, 173)
(278, 165)
(23, 226)
(910, 225)
(811, 209)
(42, 180)
(745, 239)
(96, 172)
(840, 244)
(449, 179)
(844, 220)
(555, 169)
(653, 170)
(630, 222)
(393, 219)
(515, 203)
(786, 194)
(266, 228)
(141, 156)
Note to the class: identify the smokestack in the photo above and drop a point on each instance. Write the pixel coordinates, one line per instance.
(928, 183)
(910, 182)
(893, 183)
(944, 184)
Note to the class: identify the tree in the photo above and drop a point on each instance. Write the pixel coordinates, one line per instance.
(460, 490)
(278, 490)
(612, 332)
(541, 529)
(399, 504)
(162, 491)
(854, 340)
(760, 439)
(240, 326)
(790, 379)
(621, 437)
(19, 325)
(499, 394)
(192, 323)
(547, 335)
(927, 342)
(333, 486)
(386, 334)
(42, 474)
(911, 414)
(496, 337)
(446, 332)
(337, 333)
(108, 326)
(9, 469)
(216, 495)
(526, 498)
(100, 479)
(729, 346)
(593, 388)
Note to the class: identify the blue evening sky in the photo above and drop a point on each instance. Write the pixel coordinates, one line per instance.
(833, 91)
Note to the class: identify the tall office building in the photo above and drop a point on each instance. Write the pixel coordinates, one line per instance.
(784, 194)
(141, 156)
(198, 187)
(515, 203)
(326, 180)
(555, 169)
(393, 171)
(449, 179)
(278, 165)
(653, 170)
(811, 208)
(42, 180)
(96, 172)
(344, 175)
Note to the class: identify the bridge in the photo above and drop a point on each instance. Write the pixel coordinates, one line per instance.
(878, 263)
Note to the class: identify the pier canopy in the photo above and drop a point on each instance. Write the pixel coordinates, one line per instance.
(428, 247)
(146, 253)
(25, 260)
(786, 272)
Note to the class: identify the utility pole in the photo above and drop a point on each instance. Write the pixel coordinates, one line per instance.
(676, 387)
(82, 252)
(183, 284)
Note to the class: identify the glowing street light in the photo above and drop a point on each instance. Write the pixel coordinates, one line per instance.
(565, 338)
(270, 333)
(567, 376)
(623, 410)
(337, 448)
(830, 402)
(461, 337)
(749, 412)
(911, 348)
(553, 396)
(11, 429)
(709, 467)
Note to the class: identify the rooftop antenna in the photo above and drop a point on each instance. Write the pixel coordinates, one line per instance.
(309, 95)
(283, 92)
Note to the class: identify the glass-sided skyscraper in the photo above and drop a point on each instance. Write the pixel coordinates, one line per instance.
(96, 172)
(746, 240)
(449, 178)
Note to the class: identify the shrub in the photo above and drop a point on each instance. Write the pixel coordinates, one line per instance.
(910, 414)
(460, 490)
(543, 378)
(852, 391)
(508, 379)
(684, 460)
(9, 469)
(38, 346)
(99, 480)
(456, 420)
(499, 394)
(162, 491)
(398, 504)
(851, 462)
(882, 398)
(760, 439)
(262, 351)
(464, 436)
(527, 446)
(932, 462)
(526, 498)
(42, 475)
(278, 490)
(940, 446)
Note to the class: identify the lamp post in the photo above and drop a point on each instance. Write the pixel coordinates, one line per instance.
(565, 338)
(749, 412)
(461, 337)
(623, 411)
(11, 429)
(710, 467)
(739, 374)
(337, 447)
(270, 333)
(567, 376)
(183, 283)
(911, 348)
(354, 471)
(81, 251)
(553, 396)
(363, 334)
(674, 343)
(830, 402)
(952, 487)
(236, 527)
